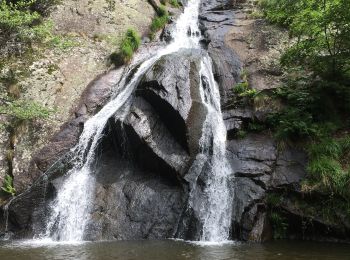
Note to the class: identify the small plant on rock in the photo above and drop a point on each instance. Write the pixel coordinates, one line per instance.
(159, 21)
(7, 186)
(129, 44)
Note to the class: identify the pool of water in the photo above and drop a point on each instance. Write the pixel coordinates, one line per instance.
(171, 250)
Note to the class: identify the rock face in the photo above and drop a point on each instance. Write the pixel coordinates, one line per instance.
(260, 168)
(140, 191)
(141, 180)
(90, 32)
(216, 19)
(236, 43)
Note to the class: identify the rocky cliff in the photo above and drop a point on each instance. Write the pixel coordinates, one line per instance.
(57, 77)
(142, 187)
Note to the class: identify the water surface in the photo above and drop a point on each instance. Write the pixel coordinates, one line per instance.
(172, 250)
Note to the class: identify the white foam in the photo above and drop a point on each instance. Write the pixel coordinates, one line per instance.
(207, 243)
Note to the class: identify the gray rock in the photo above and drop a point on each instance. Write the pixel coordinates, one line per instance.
(247, 194)
(255, 147)
(290, 167)
(133, 204)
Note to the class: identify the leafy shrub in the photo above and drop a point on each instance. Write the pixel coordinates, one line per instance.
(329, 147)
(162, 11)
(129, 44)
(21, 110)
(159, 21)
(244, 94)
(329, 166)
(15, 20)
(126, 51)
(7, 185)
(41, 6)
(273, 199)
(292, 123)
(240, 134)
(241, 87)
(322, 32)
(22, 24)
(175, 3)
(310, 108)
(256, 126)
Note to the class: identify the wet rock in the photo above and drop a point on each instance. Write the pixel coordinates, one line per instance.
(290, 167)
(28, 208)
(216, 19)
(262, 231)
(144, 128)
(167, 33)
(255, 147)
(95, 96)
(132, 202)
(259, 168)
(247, 194)
(149, 194)
(171, 87)
(98, 92)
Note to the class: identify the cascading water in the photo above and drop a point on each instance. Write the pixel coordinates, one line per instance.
(213, 203)
(70, 209)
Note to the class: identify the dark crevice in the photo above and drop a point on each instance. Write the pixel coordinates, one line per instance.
(168, 115)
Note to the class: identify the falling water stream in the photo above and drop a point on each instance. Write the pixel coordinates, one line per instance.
(216, 210)
(70, 209)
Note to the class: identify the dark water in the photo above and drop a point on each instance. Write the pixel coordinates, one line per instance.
(173, 250)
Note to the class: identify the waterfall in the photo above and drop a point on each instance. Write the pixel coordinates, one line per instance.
(69, 211)
(217, 197)
(211, 202)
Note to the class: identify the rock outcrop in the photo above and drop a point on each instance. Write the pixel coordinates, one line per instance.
(143, 158)
(56, 79)
(141, 180)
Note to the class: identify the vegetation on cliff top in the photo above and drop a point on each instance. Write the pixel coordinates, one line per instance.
(316, 91)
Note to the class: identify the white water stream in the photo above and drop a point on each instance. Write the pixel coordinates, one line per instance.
(215, 211)
(71, 207)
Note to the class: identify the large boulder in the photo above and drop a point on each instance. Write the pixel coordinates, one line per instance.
(140, 190)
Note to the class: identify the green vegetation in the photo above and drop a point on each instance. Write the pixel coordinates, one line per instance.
(279, 225)
(22, 23)
(241, 134)
(7, 185)
(159, 21)
(129, 44)
(243, 93)
(21, 110)
(173, 3)
(316, 92)
(322, 32)
(278, 222)
(329, 169)
(315, 96)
